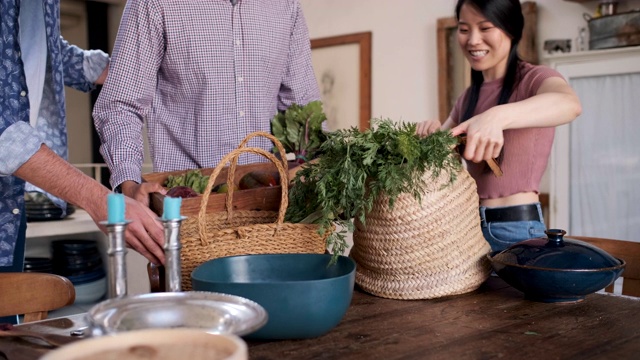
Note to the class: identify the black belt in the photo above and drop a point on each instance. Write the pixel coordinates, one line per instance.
(512, 213)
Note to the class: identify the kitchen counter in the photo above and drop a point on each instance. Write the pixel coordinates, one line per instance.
(77, 223)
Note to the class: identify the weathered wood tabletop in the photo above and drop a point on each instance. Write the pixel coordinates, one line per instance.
(494, 321)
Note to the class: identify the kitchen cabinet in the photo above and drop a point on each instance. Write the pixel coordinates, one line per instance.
(595, 162)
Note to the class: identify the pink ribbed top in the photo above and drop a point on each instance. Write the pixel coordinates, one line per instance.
(526, 151)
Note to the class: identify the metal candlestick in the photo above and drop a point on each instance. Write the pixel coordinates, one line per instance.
(117, 267)
(172, 246)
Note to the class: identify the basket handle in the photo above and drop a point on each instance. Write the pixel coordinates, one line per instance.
(231, 157)
(277, 143)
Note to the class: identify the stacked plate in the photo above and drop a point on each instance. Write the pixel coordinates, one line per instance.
(39, 208)
(80, 261)
(38, 264)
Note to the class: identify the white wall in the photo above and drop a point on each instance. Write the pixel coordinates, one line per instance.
(404, 62)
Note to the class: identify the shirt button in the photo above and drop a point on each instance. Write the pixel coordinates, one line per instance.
(241, 113)
(23, 93)
(16, 211)
(237, 42)
(240, 79)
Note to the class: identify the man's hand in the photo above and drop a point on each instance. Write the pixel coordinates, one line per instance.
(145, 234)
(103, 76)
(141, 192)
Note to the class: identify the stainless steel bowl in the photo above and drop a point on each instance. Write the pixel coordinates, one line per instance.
(214, 313)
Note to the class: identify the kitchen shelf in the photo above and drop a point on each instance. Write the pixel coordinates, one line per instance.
(77, 223)
(591, 55)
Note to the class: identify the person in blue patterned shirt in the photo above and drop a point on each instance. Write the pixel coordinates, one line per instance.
(35, 65)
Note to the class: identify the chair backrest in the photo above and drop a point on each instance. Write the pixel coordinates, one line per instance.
(629, 251)
(34, 294)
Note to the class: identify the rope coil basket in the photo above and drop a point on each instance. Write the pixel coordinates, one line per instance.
(423, 250)
(243, 232)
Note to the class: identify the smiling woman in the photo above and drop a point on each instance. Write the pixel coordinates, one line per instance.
(507, 114)
(453, 69)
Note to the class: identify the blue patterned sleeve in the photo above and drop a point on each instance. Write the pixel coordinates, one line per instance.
(81, 67)
(19, 142)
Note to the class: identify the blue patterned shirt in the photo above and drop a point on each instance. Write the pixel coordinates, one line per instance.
(66, 65)
(202, 75)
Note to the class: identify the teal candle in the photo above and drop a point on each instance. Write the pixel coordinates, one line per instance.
(171, 208)
(115, 208)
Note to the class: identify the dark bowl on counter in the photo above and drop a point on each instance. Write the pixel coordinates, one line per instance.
(304, 296)
(556, 269)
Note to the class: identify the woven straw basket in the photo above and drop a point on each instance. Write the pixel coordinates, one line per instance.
(218, 234)
(423, 251)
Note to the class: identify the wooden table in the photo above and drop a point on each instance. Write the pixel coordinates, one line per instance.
(493, 322)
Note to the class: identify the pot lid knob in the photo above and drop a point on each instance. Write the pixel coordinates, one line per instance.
(555, 236)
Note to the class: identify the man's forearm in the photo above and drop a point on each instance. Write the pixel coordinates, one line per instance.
(48, 171)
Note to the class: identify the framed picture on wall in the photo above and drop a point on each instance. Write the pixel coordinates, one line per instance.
(342, 66)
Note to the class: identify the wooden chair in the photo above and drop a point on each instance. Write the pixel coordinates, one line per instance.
(629, 251)
(34, 294)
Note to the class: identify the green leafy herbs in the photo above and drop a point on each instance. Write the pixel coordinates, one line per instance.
(299, 129)
(356, 167)
(192, 178)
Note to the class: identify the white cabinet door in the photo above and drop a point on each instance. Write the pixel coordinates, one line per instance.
(594, 172)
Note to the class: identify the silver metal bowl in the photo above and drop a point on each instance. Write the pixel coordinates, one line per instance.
(214, 313)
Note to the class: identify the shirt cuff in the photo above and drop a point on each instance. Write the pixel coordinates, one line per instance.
(18, 143)
(94, 63)
(122, 174)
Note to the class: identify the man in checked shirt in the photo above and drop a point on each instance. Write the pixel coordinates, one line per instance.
(201, 76)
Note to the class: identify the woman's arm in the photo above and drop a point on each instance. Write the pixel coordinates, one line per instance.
(554, 104)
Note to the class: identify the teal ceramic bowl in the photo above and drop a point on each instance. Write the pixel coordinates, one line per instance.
(303, 295)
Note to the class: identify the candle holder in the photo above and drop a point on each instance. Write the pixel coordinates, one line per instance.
(172, 246)
(117, 269)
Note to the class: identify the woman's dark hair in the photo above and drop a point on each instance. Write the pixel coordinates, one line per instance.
(506, 15)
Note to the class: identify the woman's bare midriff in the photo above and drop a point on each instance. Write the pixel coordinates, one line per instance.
(511, 200)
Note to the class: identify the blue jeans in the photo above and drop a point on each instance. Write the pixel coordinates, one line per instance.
(18, 259)
(501, 235)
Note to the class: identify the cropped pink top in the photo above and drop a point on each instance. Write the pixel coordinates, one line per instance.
(526, 151)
